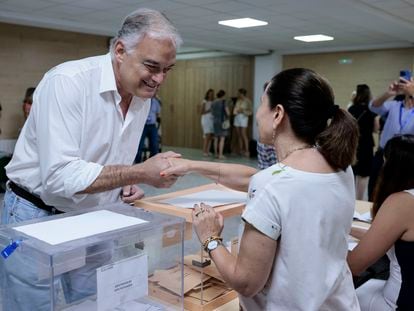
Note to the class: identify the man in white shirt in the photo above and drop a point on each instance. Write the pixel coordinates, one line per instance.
(77, 147)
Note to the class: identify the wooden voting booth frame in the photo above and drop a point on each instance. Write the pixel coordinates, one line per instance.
(205, 289)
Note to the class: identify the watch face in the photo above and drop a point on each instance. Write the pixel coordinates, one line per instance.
(212, 245)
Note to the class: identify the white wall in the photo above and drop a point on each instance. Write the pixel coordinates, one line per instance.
(265, 67)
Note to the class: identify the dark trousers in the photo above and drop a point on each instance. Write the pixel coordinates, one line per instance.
(377, 163)
(150, 131)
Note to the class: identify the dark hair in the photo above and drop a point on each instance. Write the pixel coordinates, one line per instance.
(243, 91)
(308, 100)
(265, 85)
(29, 94)
(363, 95)
(221, 93)
(397, 172)
(208, 92)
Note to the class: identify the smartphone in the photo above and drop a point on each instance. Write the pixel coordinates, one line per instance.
(406, 74)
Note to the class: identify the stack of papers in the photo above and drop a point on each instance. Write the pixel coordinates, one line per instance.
(210, 197)
(365, 217)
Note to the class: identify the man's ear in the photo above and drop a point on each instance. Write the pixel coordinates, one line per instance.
(119, 51)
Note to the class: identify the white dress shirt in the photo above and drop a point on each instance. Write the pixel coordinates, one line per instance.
(74, 129)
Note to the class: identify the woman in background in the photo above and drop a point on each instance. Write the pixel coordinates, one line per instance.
(220, 113)
(242, 110)
(391, 232)
(368, 124)
(207, 121)
(299, 211)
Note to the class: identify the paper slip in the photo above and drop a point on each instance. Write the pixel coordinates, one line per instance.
(75, 227)
(172, 281)
(122, 282)
(352, 245)
(366, 217)
(209, 197)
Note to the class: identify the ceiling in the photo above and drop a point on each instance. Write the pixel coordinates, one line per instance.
(355, 24)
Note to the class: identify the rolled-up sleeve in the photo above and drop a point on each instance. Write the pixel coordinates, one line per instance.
(63, 171)
(263, 213)
(383, 109)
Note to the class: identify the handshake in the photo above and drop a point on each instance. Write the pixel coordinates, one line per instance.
(160, 171)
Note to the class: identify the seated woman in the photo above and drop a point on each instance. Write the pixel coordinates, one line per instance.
(298, 216)
(392, 231)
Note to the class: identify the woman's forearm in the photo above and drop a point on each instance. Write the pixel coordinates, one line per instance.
(358, 233)
(234, 176)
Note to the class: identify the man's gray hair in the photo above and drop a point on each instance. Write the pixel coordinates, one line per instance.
(144, 22)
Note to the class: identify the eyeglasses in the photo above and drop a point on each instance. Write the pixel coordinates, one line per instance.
(154, 69)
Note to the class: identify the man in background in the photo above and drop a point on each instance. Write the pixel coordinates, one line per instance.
(400, 120)
(150, 131)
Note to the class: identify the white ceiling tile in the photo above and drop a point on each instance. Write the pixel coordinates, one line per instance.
(29, 5)
(95, 4)
(229, 6)
(64, 10)
(357, 22)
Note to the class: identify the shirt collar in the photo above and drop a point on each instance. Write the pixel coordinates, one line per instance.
(107, 82)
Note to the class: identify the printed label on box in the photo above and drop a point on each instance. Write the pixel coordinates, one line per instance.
(121, 282)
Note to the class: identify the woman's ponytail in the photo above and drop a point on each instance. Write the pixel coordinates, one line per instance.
(339, 141)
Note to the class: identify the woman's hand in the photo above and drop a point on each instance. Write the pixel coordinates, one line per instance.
(206, 222)
(178, 167)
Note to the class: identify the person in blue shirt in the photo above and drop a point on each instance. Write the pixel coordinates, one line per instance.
(400, 120)
(150, 130)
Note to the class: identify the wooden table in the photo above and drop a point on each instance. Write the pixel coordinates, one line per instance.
(362, 207)
(153, 204)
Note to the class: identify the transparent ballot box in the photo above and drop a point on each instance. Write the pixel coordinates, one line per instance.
(103, 258)
(204, 288)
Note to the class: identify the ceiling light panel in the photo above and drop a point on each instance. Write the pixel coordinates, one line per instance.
(243, 22)
(313, 38)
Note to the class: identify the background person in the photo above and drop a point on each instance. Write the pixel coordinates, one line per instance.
(76, 148)
(220, 113)
(368, 124)
(27, 101)
(400, 120)
(266, 155)
(207, 121)
(391, 232)
(150, 131)
(242, 110)
(287, 259)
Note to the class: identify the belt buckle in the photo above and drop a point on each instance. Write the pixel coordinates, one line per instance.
(8, 188)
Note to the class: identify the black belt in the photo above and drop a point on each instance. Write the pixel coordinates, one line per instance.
(33, 199)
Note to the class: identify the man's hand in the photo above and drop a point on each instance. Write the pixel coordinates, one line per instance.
(407, 87)
(155, 165)
(131, 193)
(393, 89)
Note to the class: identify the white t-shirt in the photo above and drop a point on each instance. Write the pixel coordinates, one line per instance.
(310, 216)
(76, 127)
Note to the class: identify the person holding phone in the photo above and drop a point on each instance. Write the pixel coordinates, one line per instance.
(400, 118)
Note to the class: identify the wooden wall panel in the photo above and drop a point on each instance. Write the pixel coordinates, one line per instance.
(26, 54)
(375, 68)
(185, 88)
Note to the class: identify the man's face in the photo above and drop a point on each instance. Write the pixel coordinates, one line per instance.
(142, 70)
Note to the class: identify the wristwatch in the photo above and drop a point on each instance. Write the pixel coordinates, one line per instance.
(212, 243)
